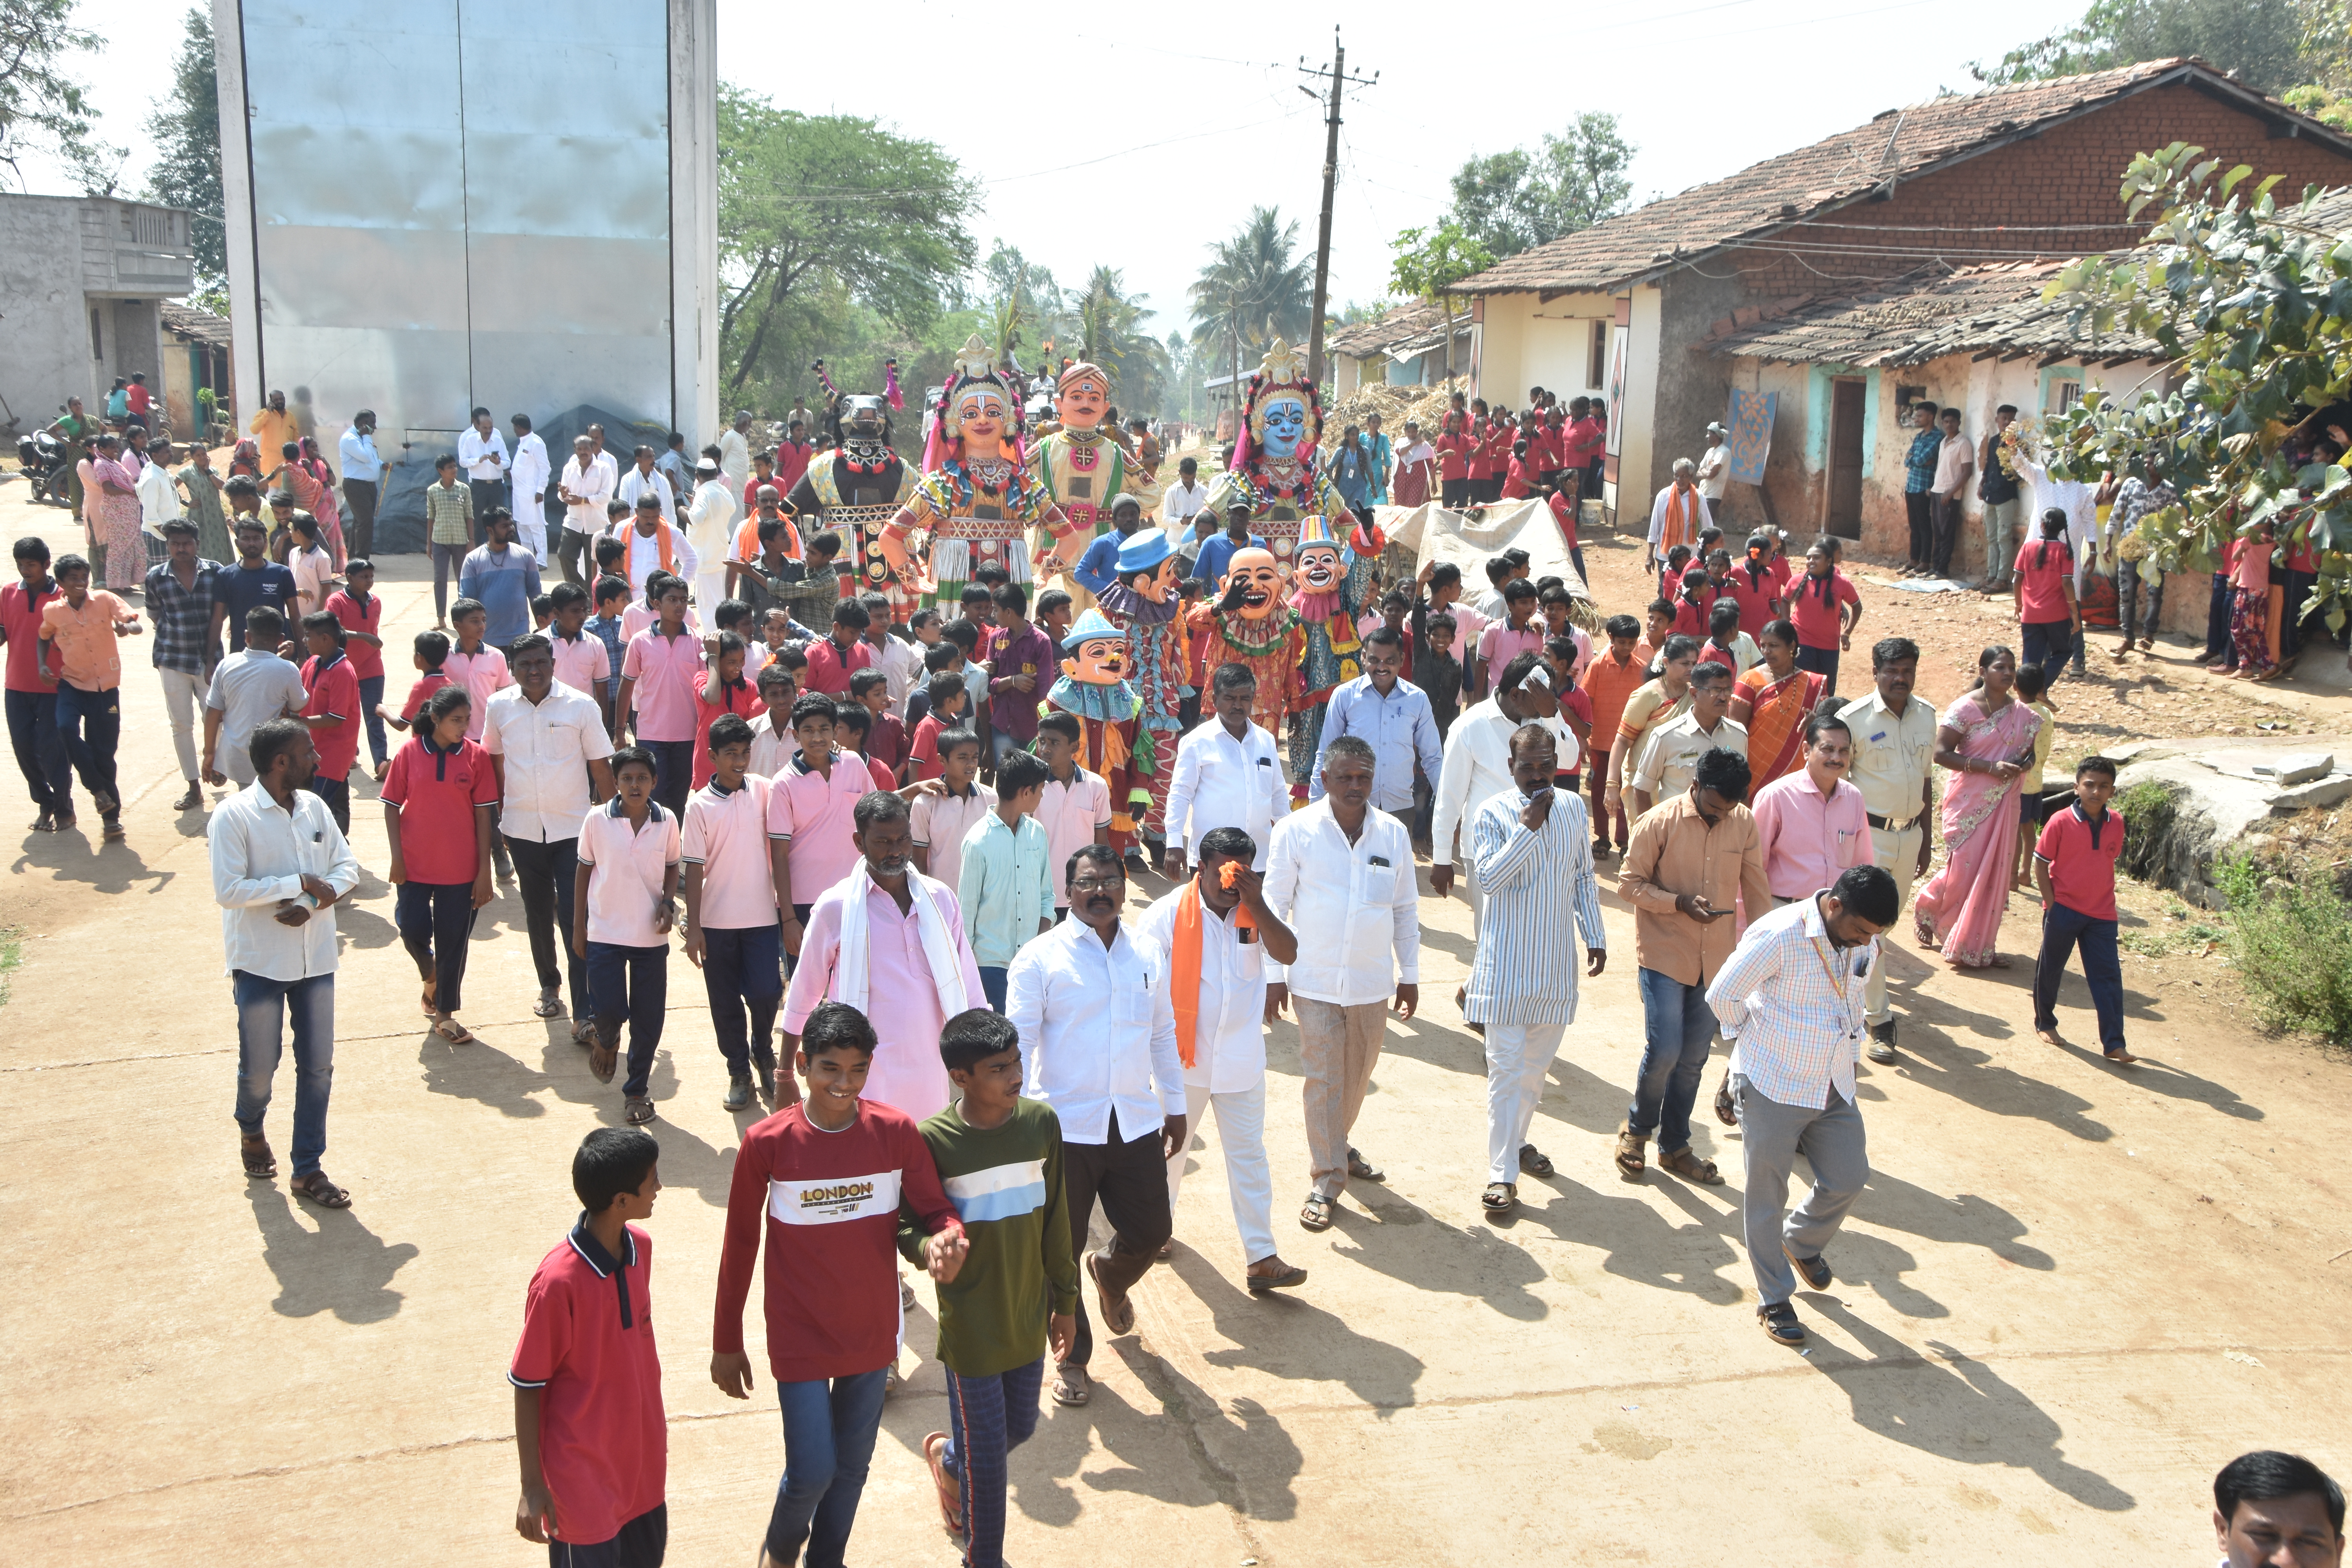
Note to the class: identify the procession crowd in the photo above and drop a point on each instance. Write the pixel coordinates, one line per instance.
(895, 839)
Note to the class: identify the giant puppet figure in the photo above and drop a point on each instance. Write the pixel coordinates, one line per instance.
(1276, 469)
(1143, 602)
(858, 486)
(974, 497)
(1094, 691)
(1250, 623)
(1332, 585)
(1079, 465)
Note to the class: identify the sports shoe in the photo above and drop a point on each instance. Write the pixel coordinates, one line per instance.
(739, 1092)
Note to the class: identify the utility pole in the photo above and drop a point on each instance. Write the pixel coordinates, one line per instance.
(1340, 78)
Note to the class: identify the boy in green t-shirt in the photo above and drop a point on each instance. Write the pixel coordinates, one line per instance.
(1000, 1161)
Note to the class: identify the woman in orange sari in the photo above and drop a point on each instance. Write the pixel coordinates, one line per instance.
(1774, 700)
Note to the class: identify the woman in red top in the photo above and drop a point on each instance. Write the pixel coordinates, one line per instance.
(1454, 448)
(2044, 593)
(438, 796)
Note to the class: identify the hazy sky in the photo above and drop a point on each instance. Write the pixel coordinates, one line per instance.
(1100, 143)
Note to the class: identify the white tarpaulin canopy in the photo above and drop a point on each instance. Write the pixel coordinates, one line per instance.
(1434, 534)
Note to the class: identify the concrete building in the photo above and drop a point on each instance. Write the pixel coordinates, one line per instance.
(2010, 174)
(196, 361)
(1403, 347)
(81, 279)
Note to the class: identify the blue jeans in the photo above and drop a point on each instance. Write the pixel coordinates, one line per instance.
(1678, 1028)
(370, 698)
(988, 1417)
(2049, 644)
(991, 985)
(2062, 929)
(90, 723)
(632, 984)
(40, 749)
(743, 966)
(828, 1443)
(262, 1007)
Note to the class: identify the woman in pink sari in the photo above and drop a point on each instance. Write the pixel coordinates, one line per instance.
(118, 515)
(1987, 739)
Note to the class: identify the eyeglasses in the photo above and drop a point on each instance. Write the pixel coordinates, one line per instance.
(1096, 884)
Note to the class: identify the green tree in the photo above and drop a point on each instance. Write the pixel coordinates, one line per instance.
(1429, 262)
(1515, 201)
(1255, 288)
(818, 212)
(2250, 304)
(185, 133)
(42, 107)
(1025, 303)
(2261, 40)
(1111, 332)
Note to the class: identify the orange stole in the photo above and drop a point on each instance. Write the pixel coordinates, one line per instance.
(1184, 968)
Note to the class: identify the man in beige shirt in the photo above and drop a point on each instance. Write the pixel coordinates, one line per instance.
(1688, 861)
(1894, 763)
(1670, 752)
(1956, 460)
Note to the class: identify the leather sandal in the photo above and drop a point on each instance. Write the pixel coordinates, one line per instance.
(1630, 1160)
(1316, 1213)
(255, 1153)
(1534, 1161)
(1686, 1165)
(322, 1192)
(1727, 1111)
(1072, 1386)
(1117, 1312)
(1363, 1170)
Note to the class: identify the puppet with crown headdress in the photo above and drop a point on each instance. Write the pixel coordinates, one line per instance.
(1094, 690)
(1143, 602)
(1250, 623)
(974, 499)
(1080, 466)
(855, 487)
(1331, 583)
(1276, 469)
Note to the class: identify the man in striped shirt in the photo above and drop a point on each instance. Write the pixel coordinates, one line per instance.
(1791, 1000)
(1533, 848)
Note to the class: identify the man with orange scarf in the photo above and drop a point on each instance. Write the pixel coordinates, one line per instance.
(1676, 516)
(1216, 933)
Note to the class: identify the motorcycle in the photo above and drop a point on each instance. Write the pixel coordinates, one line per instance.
(47, 463)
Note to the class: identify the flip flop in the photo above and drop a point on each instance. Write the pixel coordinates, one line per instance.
(454, 1032)
(547, 1007)
(602, 1058)
(950, 1490)
(1072, 1387)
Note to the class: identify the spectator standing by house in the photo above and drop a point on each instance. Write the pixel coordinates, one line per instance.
(1919, 464)
(1380, 452)
(280, 865)
(1715, 473)
(201, 486)
(1413, 481)
(1676, 516)
(2002, 490)
(1955, 462)
(482, 453)
(1454, 446)
(2136, 500)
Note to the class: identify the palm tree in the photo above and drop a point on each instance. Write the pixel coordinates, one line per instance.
(1253, 289)
(1109, 322)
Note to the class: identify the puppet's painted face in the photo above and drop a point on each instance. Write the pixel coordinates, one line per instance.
(1260, 580)
(1159, 585)
(1098, 661)
(979, 417)
(1318, 566)
(1285, 425)
(1080, 405)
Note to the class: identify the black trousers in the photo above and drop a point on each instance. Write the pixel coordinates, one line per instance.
(2219, 648)
(743, 967)
(488, 493)
(1131, 1179)
(361, 495)
(1918, 508)
(1948, 532)
(436, 923)
(337, 794)
(673, 772)
(2297, 586)
(546, 876)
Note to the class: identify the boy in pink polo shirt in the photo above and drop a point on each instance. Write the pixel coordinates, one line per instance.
(660, 675)
(809, 815)
(481, 669)
(1076, 807)
(623, 906)
(589, 1426)
(732, 934)
(582, 662)
(941, 820)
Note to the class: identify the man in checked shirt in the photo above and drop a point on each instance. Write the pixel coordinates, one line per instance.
(1790, 1001)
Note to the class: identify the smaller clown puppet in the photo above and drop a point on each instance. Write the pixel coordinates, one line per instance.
(1094, 691)
(974, 497)
(1078, 467)
(1330, 588)
(1250, 624)
(1143, 602)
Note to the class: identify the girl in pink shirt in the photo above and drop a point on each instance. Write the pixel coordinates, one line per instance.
(2044, 594)
(2250, 608)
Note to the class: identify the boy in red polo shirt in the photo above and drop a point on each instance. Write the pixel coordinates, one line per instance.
(823, 1180)
(362, 613)
(589, 1426)
(332, 712)
(1453, 448)
(2074, 870)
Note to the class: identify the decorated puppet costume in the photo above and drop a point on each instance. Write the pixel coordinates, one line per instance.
(1276, 470)
(1079, 467)
(1332, 586)
(856, 486)
(1143, 602)
(1250, 624)
(1093, 690)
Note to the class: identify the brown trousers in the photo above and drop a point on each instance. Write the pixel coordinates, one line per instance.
(1338, 1047)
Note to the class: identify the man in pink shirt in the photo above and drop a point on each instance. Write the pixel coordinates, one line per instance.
(889, 942)
(1812, 824)
(661, 674)
(811, 844)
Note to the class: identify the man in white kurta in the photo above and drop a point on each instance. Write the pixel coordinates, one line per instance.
(710, 528)
(1221, 1030)
(529, 473)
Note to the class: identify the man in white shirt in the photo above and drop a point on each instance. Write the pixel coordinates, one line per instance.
(710, 528)
(642, 478)
(1714, 470)
(1098, 1045)
(584, 489)
(1182, 502)
(1341, 877)
(278, 866)
(1477, 766)
(529, 475)
(1224, 934)
(735, 452)
(549, 748)
(249, 688)
(482, 453)
(1228, 774)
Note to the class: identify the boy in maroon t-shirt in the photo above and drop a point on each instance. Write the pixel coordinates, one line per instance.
(2075, 871)
(589, 1426)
